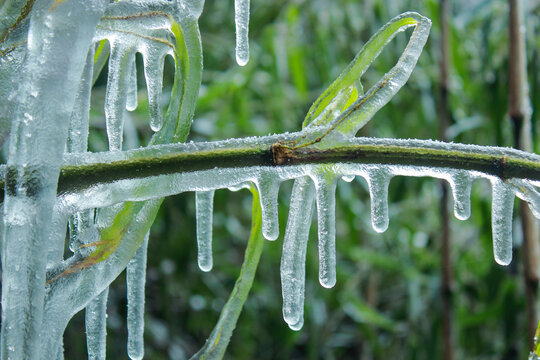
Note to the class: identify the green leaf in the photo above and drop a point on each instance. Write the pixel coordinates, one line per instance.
(344, 95)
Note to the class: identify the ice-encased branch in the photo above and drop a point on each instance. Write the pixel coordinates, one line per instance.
(100, 179)
(103, 171)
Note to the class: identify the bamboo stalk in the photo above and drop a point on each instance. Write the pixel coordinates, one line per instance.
(520, 115)
(446, 258)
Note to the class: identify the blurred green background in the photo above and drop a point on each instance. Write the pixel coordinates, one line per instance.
(387, 302)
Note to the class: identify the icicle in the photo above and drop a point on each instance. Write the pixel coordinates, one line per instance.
(347, 178)
(378, 181)
(96, 326)
(131, 84)
(153, 72)
(115, 95)
(461, 184)
(136, 279)
(268, 187)
(293, 258)
(204, 201)
(78, 127)
(325, 185)
(241, 19)
(502, 207)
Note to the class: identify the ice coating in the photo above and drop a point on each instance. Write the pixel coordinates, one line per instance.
(116, 93)
(96, 326)
(502, 207)
(378, 181)
(131, 84)
(461, 184)
(136, 280)
(325, 185)
(49, 82)
(241, 19)
(268, 187)
(293, 258)
(526, 191)
(204, 203)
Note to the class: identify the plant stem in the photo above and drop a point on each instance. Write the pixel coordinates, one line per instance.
(446, 259)
(100, 168)
(217, 342)
(520, 115)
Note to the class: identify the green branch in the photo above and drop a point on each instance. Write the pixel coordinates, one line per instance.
(272, 151)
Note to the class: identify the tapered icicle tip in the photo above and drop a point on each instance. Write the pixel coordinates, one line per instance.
(268, 187)
(378, 181)
(502, 207)
(297, 326)
(241, 19)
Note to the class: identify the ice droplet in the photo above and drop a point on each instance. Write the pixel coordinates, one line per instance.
(241, 19)
(204, 203)
(461, 184)
(136, 280)
(268, 187)
(96, 326)
(502, 207)
(153, 72)
(293, 258)
(378, 181)
(325, 185)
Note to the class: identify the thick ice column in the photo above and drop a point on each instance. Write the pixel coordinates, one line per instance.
(58, 42)
(293, 258)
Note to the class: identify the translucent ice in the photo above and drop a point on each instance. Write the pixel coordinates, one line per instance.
(293, 258)
(461, 184)
(96, 326)
(131, 84)
(268, 187)
(204, 201)
(116, 93)
(325, 185)
(502, 207)
(153, 72)
(241, 19)
(378, 181)
(136, 279)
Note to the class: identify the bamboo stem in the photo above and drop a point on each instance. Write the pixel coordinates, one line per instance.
(520, 115)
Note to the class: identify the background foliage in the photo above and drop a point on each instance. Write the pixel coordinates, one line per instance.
(386, 303)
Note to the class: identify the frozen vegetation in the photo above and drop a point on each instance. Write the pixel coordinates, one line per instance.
(109, 200)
